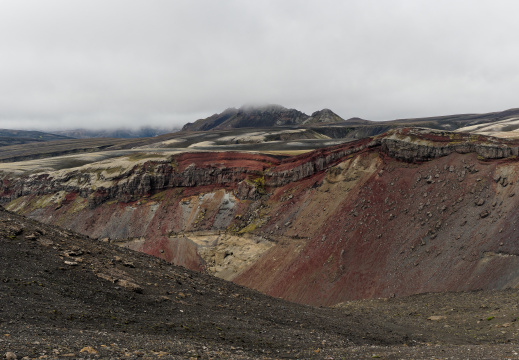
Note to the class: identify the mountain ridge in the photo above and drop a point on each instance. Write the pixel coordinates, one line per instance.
(120, 133)
(260, 116)
(16, 137)
(329, 122)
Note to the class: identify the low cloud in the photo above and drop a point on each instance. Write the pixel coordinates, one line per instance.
(107, 64)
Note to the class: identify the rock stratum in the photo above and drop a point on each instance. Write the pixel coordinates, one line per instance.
(410, 211)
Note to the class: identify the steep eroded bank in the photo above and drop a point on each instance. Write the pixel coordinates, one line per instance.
(411, 211)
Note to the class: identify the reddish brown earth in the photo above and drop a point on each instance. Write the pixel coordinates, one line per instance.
(408, 212)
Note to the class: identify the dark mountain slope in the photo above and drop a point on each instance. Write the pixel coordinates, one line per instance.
(121, 133)
(453, 122)
(325, 116)
(327, 123)
(13, 137)
(260, 117)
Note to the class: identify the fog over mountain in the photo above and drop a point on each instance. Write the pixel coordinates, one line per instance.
(96, 64)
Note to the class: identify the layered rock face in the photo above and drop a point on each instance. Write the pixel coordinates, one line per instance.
(410, 211)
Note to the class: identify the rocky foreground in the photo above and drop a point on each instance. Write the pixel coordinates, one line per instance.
(64, 295)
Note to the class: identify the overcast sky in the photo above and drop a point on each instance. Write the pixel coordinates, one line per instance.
(111, 63)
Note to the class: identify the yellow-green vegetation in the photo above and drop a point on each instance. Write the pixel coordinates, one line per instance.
(44, 201)
(257, 221)
(159, 196)
(201, 216)
(249, 228)
(78, 205)
(142, 201)
(474, 137)
(259, 183)
(26, 205)
(455, 137)
(16, 205)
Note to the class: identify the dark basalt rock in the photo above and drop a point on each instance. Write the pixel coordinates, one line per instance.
(417, 145)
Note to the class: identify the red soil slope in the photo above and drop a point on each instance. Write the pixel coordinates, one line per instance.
(408, 212)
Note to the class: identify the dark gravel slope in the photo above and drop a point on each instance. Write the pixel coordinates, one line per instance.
(67, 296)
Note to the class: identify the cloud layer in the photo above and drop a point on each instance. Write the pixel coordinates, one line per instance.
(69, 64)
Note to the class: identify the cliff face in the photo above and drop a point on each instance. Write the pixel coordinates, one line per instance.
(98, 185)
(229, 169)
(411, 211)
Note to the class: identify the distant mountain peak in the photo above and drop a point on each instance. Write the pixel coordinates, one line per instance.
(323, 116)
(261, 116)
(323, 111)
